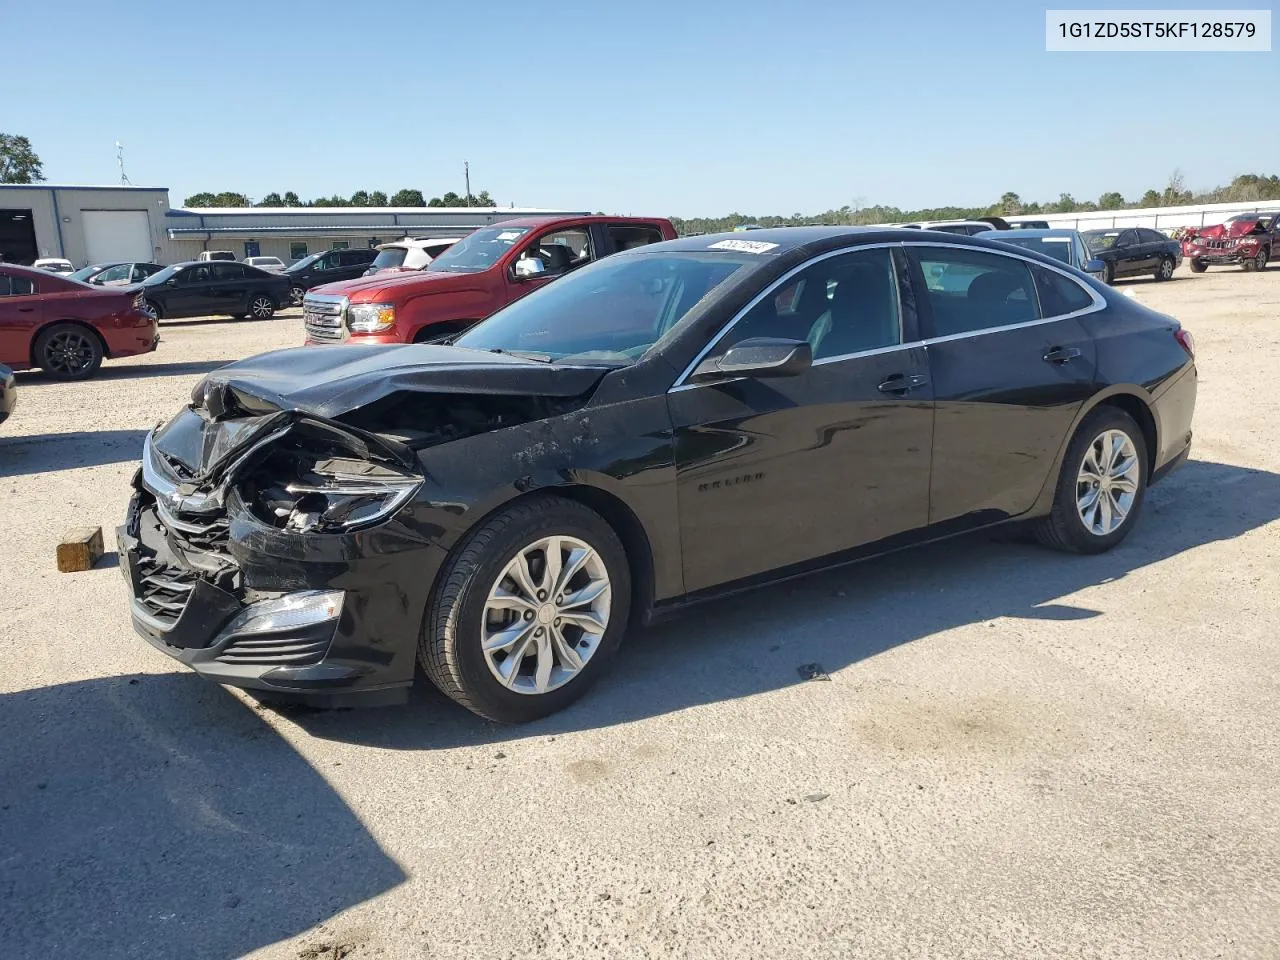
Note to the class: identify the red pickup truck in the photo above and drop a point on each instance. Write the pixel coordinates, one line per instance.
(479, 274)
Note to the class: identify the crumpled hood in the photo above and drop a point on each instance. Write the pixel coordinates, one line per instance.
(1219, 231)
(336, 380)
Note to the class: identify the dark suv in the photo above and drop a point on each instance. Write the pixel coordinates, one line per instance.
(327, 267)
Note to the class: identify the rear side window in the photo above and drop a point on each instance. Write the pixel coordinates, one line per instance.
(1059, 295)
(227, 271)
(11, 286)
(629, 237)
(969, 290)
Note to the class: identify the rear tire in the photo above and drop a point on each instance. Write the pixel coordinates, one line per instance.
(475, 587)
(1198, 266)
(261, 307)
(1104, 479)
(1165, 270)
(68, 351)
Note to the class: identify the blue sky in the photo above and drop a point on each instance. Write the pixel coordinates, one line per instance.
(690, 108)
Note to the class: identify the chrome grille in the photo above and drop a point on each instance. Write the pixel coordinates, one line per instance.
(323, 316)
(164, 589)
(268, 650)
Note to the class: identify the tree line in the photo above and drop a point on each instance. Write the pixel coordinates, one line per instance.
(1245, 188)
(361, 198)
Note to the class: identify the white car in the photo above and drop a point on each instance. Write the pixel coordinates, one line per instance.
(54, 265)
(411, 253)
(269, 264)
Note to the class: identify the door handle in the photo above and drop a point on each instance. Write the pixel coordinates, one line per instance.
(1061, 355)
(901, 383)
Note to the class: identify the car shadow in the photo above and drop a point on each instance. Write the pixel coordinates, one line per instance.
(770, 638)
(159, 816)
(51, 452)
(289, 313)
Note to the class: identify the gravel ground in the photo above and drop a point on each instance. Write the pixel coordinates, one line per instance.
(1017, 754)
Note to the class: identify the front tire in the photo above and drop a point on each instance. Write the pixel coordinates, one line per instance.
(1198, 266)
(154, 309)
(528, 612)
(1101, 487)
(1165, 270)
(295, 296)
(68, 351)
(1108, 272)
(1259, 262)
(261, 307)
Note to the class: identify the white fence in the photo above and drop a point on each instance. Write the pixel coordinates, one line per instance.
(1160, 218)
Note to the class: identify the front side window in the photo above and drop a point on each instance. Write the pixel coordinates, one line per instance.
(841, 305)
(610, 312)
(970, 290)
(555, 253)
(200, 273)
(478, 250)
(1127, 238)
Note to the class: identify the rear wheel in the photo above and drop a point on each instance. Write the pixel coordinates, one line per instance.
(1165, 270)
(529, 611)
(261, 307)
(1101, 487)
(68, 351)
(1198, 266)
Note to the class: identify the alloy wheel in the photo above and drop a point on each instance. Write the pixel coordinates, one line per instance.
(295, 296)
(69, 353)
(1260, 262)
(1166, 268)
(546, 615)
(1107, 482)
(262, 308)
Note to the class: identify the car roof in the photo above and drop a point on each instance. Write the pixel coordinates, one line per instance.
(538, 221)
(1033, 232)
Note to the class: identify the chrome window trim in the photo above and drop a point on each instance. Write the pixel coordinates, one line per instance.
(1099, 303)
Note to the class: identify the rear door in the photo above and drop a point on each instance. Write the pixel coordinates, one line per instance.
(21, 311)
(1008, 376)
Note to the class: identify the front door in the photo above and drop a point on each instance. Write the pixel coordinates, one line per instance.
(773, 472)
(1010, 365)
(229, 291)
(546, 257)
(188, 294)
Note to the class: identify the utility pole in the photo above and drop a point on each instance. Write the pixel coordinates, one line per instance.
(466, 172)
(124, 177)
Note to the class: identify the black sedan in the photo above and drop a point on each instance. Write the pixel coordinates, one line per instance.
(8, 392)
(668, 424)
(115, 273)
(213, 288)
(1133, 252)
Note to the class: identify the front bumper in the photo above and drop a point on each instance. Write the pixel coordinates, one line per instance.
(1221, 255)
(190, 597)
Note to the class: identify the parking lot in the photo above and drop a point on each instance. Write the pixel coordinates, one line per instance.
(1018, 753)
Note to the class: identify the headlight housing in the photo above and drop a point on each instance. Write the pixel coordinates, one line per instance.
(310, 484)
(370, 317)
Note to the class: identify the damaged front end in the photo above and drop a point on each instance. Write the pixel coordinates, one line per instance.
(260, 544)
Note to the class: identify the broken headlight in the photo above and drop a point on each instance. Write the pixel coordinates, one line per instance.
(303, 492)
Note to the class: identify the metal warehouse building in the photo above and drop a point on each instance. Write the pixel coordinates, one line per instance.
(93, 224)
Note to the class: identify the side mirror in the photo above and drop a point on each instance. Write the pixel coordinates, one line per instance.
(527, 267)
(171, 282)
(1095, 266)
(758, 357)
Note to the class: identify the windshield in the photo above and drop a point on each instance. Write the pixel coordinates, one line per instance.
(303, 263)
(478, 251)
(1101, 239)
(161, 276)
(609, 313)
(389, 257)
(1056, 247)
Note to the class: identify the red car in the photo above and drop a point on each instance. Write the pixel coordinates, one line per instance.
(65, 327)
(1249, 239)
(476, 276)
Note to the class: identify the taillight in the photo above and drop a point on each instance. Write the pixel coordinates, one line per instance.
(1186, 341)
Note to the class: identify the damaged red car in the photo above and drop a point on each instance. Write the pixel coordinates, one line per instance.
(1249, 239)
